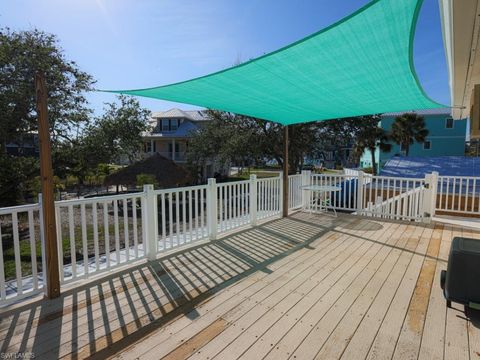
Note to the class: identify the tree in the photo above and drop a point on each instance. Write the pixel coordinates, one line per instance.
(231, 138)
(15, 176)
(408, 128)
(117, 134)
(370, 136)
(22, 54)
(114, 136)
(219, 141)
(337, 135)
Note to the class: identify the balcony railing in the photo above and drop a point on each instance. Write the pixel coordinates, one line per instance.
(97, 235)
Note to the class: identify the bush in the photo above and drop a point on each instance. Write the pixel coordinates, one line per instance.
(146, 179)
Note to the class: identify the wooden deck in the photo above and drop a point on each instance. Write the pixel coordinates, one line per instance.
(301, 288)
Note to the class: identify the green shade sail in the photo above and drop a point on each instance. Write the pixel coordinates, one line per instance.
(361, 65)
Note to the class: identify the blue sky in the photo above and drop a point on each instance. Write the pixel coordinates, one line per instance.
(136, 44)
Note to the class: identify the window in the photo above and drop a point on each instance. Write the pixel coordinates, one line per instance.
(173, 124)
(169, 125)
(165, 125)
(427, 145)
(148, 147)
(449, 123)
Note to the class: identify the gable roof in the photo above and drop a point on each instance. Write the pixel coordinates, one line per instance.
(194, 115)
(417, 167)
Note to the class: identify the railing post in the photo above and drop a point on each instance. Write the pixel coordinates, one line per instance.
(281, 180)
(430, 198)
(253, 199)
(212, 208)
(149, 220)
(434, 193)
(306, 179)
(360, 191)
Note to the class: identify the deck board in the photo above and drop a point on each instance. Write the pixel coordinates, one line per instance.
(456, 334)
(277, 306)
(309, 286)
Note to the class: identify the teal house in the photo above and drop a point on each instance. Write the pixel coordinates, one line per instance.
(446, 137)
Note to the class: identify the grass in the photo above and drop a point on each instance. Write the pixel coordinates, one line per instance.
(245, 175)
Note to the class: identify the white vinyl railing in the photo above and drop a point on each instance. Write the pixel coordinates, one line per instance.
(20, 234)
(180, 216)
(362, 194)
(295, 191)
(269, 192)
(408, 205)
(233, 205)
(382, 188)
(458, 194)
(98, 234)
(346, 198)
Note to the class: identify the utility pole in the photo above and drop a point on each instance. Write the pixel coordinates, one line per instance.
(48, 203)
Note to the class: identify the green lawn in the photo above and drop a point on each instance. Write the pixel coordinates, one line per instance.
(245, 175)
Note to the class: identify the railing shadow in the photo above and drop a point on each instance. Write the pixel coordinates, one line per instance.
(107, 315)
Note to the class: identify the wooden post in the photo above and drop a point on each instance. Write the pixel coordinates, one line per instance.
(48, 204)
(285, 171)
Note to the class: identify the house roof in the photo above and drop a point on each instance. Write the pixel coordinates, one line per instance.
(417, 167)
(423, 112)
(184, 130)
(194, 115)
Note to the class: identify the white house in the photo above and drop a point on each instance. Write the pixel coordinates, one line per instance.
(170, 133)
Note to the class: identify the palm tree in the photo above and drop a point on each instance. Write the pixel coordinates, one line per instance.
(370, 136)
(408, 128)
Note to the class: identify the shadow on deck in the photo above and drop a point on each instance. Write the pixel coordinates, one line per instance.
(372, 286)
(107, 315)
